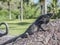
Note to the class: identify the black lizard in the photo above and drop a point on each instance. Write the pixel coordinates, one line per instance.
(43, 19)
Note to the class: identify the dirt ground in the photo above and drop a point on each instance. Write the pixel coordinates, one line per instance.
(50, 37)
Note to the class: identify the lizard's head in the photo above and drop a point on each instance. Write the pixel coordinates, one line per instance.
(50, 14)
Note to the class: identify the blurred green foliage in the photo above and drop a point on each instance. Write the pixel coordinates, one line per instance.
(30, 10)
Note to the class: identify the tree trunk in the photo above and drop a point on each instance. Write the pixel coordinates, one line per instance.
(21, 10)
(43, 7)
(9, 10)
(19, 17)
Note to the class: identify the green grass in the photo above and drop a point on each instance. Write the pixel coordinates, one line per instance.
(17, 27)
